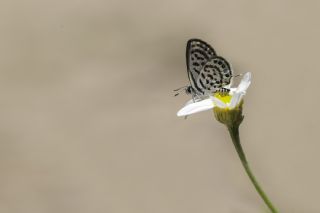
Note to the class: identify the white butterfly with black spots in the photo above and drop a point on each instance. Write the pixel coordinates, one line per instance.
(207, 72)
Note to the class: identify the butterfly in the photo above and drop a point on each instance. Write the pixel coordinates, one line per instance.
(207, 72)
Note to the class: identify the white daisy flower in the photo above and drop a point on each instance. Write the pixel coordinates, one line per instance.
(227, 109)
(229, 101)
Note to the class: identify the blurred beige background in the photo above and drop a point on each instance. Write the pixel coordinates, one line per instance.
(88, 118)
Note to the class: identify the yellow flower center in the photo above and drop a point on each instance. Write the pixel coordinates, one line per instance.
(225, 98)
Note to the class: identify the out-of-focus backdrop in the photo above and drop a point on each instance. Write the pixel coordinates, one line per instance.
(88, 119)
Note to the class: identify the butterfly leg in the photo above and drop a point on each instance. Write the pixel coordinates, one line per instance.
(195, 97)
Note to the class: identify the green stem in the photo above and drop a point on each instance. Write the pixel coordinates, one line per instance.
(234, 133)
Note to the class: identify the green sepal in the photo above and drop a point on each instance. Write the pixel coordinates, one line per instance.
(230, 117)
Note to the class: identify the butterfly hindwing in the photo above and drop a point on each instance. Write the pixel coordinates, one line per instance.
(198, 54)
(214, 75)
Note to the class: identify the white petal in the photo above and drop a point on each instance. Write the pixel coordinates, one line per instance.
(245, 83)
(189, 102)
(235, 100)
(217, 102)
(196, 107)
(232, 91)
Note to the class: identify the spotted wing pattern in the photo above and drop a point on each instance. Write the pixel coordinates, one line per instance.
(214, 75)
(198, 54)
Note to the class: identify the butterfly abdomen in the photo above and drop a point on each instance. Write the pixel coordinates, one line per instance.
(222, 92)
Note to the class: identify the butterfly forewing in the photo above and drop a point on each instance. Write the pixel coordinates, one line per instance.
(198, 54)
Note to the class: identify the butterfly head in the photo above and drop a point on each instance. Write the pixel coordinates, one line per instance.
(189, 90)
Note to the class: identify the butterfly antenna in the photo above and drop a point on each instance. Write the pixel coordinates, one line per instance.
(175, 95)
(237, 75)
(175, 90)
